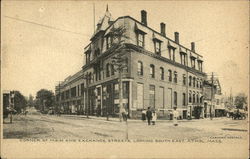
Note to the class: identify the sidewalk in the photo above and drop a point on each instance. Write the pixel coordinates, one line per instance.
(133, 120)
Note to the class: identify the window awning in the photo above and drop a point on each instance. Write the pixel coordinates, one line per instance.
(171, 46)
(157, 37)
(140, 29)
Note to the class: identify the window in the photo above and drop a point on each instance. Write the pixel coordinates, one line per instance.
(200, 65)
(183, 59)
(190, 97)
(158, 47)
(152, 71)
(89, 78)
(193, 98)
(112, 69)
(169, 75)
(197, 83)
(82, 89)
(201, 84)
(107, 70)
(175, 98)
(171, 53)
(190, 80)
(184, 79)
(109, 41)
(140, 39)
(73, 92)
(140, 68)
(197, 98)
(184, 99)
(152, 96)
(194, 80)
(162, 73)
(193, 62)
(126, 64)
(175, 76)
(161, 98)
(140, 95)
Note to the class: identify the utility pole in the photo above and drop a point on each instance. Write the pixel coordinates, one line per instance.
(87, 94)
(212, 96)
(12, 101)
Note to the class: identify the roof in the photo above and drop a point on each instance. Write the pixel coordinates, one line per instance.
(104, 22)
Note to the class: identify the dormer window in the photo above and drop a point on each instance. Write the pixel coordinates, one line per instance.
(109, 41)
(157, 47)
(140, 39)
(140, 35)
(183, 58)
(192, 58)
(171, 52)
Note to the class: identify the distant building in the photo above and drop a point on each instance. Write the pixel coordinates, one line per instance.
(214, 101)
(161, 73)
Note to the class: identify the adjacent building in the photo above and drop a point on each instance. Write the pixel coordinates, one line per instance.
(161, 73)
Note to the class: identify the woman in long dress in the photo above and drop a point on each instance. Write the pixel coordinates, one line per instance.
(143, 115)
(175, 116)
(154, 117)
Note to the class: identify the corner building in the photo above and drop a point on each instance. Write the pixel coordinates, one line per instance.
(161, 73)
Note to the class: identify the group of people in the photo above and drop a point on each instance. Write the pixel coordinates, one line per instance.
(150, 115)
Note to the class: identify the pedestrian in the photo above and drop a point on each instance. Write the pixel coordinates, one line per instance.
(154, 117)
(175, 116)
(149, 115)
(143, 115)
(124, 114)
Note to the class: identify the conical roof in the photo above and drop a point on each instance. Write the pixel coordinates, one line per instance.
(104, 22)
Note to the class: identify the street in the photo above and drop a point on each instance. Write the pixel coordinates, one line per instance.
(36, 125)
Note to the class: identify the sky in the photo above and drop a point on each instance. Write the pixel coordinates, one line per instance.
(42, 42)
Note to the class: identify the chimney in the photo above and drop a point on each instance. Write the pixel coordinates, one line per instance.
(193, 46)
(163, 29)
(176, 37)
(144, 17)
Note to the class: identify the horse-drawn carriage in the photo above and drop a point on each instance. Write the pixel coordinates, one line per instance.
(239, 114)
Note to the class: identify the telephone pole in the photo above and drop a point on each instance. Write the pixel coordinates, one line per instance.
(212, 97)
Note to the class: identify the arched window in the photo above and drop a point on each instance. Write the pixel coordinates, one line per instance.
(152, 71)
(107, 70)
(169, 75)
(175, 98)
(194, 80)
(162, 73)
(197, 83)
(201, 99)
(197, 98)
(140, 68)
(190, 97)
(190, 80)
(184, 79)
(175, 76)
(112, 69)
(193, 98)
(184, 99)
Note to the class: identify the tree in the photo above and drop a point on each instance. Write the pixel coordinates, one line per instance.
(240, 101)
(31, 101)
(44, 100)
(20, 102)
(119, 60)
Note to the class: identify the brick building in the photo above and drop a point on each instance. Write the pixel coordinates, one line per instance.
(161, 73)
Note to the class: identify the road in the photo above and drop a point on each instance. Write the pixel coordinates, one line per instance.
(36, 125)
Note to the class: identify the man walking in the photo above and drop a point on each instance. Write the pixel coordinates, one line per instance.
(149, 115)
